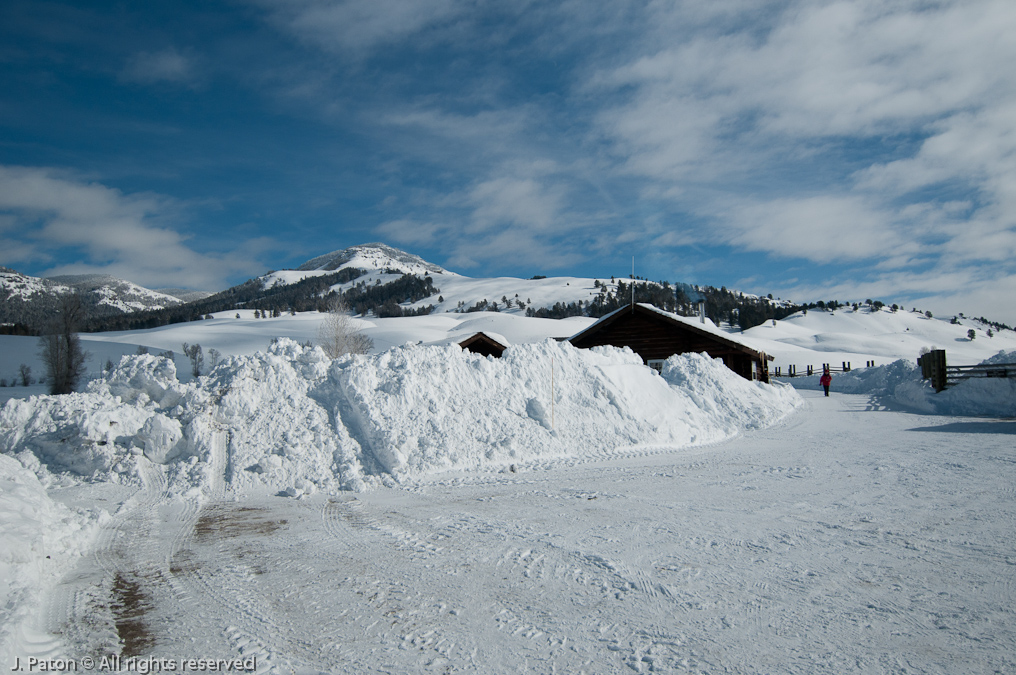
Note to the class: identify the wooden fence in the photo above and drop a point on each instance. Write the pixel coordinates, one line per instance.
(793, 371)
(934, 368)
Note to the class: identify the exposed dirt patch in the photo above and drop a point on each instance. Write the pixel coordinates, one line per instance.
(183, 562)
(129, 605)
(223, 521)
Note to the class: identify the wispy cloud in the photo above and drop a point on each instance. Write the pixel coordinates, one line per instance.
(977, 292)
(355, 27)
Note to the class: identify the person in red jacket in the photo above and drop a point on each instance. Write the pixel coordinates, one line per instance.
(826, 380)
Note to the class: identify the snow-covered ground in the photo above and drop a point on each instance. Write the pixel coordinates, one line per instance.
(845, 539)
(557, 510)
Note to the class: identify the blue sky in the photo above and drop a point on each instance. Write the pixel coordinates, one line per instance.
(813, 150)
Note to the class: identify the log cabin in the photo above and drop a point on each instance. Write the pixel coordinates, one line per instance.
(656, 335)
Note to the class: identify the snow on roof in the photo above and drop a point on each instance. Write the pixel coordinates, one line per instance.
(460, 336)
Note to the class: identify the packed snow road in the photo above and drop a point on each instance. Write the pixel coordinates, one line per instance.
(846, 539)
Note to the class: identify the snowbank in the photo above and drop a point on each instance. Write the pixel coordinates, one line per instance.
(41, 538)
(292, 420)
(900, 382)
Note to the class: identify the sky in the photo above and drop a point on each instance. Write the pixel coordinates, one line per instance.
(813, 150)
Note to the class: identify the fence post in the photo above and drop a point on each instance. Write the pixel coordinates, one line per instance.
(938, 369)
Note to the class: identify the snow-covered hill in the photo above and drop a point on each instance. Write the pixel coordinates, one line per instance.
(26, 299)
(117, 294)
(16, 286)
(822, 336)
(384, 264)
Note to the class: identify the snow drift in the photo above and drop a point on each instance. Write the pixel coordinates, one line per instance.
(900, 382)
(290, 419)
(42, 538)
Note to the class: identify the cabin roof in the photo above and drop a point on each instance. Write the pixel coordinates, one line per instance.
(482, 336)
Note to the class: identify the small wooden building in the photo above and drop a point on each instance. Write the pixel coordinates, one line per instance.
(656, 335)
(483, 344)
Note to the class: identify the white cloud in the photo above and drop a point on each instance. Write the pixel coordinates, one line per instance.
(167, 65)
(749, 127)
(824, 228)
(117, 234)
(519, 203)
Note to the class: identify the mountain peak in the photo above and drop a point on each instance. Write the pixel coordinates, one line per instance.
(375, 256)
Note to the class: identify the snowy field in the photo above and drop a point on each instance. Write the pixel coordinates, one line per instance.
(423, 510)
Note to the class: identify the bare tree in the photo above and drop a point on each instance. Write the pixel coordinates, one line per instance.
(197, 358)
(25, 373)
(61, 348)
(338, 334)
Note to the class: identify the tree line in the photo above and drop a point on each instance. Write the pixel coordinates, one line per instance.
(721, 304)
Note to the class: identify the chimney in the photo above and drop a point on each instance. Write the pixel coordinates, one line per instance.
(702, 311)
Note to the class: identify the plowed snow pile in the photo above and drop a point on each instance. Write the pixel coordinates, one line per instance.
(291, 419)
(41, 539)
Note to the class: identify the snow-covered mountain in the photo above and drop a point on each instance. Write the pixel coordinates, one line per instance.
(27, 300)
(115, 293)
(376, 256)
